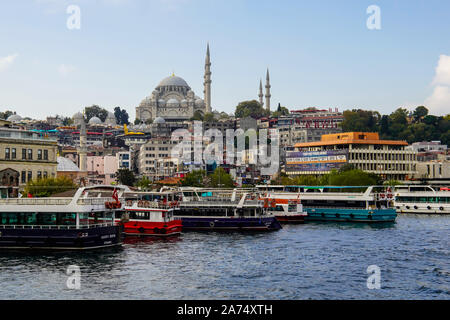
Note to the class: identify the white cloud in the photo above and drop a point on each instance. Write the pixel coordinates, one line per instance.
(439, 101)
(65, 69)
(7, 61)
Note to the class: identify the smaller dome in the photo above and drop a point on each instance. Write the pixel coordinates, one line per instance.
(162, 102)
(95, 120)
(159, 120)
(111, 119)
(14, 118)
(173, 103)
(199, 102)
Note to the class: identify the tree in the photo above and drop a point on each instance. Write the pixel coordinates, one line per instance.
(360, 120)
(95, 111)
(281, 111)
(419, 113)
(121, 116)
(198, 116)
(125, 177)
(250, 109)
(144, 183)
(208, 117)
(194, 179)
(137, 121)
(5, 115)
(221, 179)
(46, 187)
(67, 121)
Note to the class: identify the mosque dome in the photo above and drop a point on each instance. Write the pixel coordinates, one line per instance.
(159, 120)
(199, 102)
(111, 119)
(173, 103)
(14, 118)
(95, 120)
(173, 81)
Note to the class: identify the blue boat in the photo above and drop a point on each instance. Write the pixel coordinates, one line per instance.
(339, 203)
(223, 210)
(82, 222)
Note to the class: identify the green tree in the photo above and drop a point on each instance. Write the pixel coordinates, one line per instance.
(419, 113)
(198, 116)
(144, 183)
(360, 120)
(95, 111)
(6, 114)
(137, 121)
(208, 117)
(121, 116)
(46, 187)
(194, 179)
(281, 111)
(125, 177)
(250, 109)
(221, 179)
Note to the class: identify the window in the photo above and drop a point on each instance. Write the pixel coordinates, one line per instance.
(30, 176)
(39, 174)
(7, 154)
(24, 154)
(13, 153)
(30, 154)
(39, 154)
(23, 177)
(45, 154)
(45, 174)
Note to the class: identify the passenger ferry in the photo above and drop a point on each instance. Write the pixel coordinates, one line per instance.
(338, 203)
(84, 221)
(214, 209)
(150, 214)
(286, 210)
(422, 199)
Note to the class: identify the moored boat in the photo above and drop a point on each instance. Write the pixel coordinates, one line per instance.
(420, 199)
(337, 203)
(84, 221)
(150, 214)
(286, 210)
(222, 210)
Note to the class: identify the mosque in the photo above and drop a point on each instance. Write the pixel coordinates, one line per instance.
(173, 99)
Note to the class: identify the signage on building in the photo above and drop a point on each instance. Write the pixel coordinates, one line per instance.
(316, 160)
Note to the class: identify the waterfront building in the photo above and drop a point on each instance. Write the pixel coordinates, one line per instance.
(363, 150)
(24, 156)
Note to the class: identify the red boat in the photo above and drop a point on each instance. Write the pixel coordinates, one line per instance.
(150, 214)
(285, 210)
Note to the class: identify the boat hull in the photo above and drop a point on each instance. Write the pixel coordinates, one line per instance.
(231, 223)
(290, 219)
(153, 229)
(60, 239)
(350, 215)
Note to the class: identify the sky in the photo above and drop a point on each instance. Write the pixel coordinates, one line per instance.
(319, 53)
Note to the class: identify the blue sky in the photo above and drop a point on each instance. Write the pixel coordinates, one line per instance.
(319, 53)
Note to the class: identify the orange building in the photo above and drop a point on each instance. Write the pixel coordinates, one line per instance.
(364, 150)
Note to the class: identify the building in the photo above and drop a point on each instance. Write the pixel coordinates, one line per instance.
(427, 151)
(390, 159)
(26, 155)
(67, 168)
(174, 100)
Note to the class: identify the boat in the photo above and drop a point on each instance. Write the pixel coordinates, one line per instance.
(339, 203)
(286, 210)
(422, 199)
(83, 222)
(150, 214)
(221, 210)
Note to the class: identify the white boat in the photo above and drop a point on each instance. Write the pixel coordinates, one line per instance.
(422, 199)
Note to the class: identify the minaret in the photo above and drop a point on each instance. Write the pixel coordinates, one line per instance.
(268, 91)
(82, 151)
(207, 83)
(261, 95)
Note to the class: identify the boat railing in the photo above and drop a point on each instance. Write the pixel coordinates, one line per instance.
(57, 227)
(35, 201)
(220, 202)
(143, 204)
